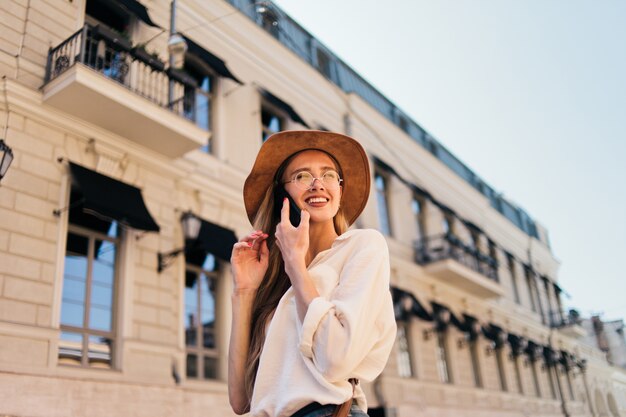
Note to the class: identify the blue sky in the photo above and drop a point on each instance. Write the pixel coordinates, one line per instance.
(531, 95)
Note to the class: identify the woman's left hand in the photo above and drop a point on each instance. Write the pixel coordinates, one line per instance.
(293, 242)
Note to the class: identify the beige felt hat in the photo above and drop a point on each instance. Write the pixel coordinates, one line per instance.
(348, 153)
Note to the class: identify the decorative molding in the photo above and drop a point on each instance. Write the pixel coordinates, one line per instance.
(110, 160)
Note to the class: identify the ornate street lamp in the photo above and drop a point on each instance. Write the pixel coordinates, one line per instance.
(191, 228)
(176, 46)
(6, 157)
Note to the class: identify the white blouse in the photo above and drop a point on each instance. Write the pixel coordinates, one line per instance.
(347, 332)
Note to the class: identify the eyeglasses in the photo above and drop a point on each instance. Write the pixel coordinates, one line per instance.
(304, 180)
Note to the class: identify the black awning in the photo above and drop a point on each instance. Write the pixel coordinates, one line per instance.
(469, 325)
(272, 99)
(420, 191)
(495, 334)
(567, 360)
(130, 7)
(139, 10)
(211, 60)
(443, 207)
(473, 227)
(385, 166)
(212, 239)
(406, 303)
(533, 350)
(558, 290)
(443, 316)
(518, 344)
(550, 356)
(113, 199)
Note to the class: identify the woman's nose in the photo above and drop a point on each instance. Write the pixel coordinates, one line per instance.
(318, 181)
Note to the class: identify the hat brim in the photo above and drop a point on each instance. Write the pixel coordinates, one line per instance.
(348, 153)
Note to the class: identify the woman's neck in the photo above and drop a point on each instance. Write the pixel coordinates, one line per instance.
(321, 237)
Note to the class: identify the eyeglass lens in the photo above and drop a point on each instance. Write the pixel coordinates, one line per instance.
(305, 179)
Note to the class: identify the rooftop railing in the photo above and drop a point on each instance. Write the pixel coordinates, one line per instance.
(447, 246)
(110, 54)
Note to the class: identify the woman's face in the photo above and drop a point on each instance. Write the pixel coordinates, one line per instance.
(320, 200)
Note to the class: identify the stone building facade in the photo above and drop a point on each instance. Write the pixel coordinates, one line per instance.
(106, 308)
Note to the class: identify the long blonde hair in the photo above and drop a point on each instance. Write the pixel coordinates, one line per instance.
(275, 282)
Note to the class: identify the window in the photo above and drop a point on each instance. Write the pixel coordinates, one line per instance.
(499, 354)
(512, 273)
(403, 123)
(539, 300)
(271, 121)
(197, 100)
(494, 262)
(447, 223)
(533, 369)
(405, 365)
(473, 351)
(418, 211)
(200, 299)
(380, 181)
(323, 63)
(551, 315)
(269, 22)
(550, 370)
(530, 281)
(475, 240)
(89, 281)
(568, 377)
(493, 251)
(443, 367)
(518, 374)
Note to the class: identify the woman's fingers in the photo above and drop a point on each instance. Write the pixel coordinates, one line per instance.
(256, 243)
(250, 239)
(241, 245)
(251, 236)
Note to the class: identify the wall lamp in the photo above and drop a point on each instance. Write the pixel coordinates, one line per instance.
(176, 45)
(191, 228)
(428, 333)
(442, 318)
(463, 341)
(6, 157)
(470, 335)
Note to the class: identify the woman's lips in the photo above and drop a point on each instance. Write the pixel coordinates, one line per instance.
(316, 201)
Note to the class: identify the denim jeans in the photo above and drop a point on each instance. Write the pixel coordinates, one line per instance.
(328, 410)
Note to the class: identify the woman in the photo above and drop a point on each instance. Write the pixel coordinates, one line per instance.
(312, 312)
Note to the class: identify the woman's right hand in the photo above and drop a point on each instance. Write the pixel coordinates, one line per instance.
(249, 261)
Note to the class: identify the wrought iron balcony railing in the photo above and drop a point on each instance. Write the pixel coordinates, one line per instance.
(561, 319)
(441, 247)
(110, 54)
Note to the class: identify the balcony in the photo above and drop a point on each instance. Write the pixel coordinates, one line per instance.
(447, 258)
(97, 77)
(568, 324)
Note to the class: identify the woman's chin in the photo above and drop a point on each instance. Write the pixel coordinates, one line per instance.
(319, 218)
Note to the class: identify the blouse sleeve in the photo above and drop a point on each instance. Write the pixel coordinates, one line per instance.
(351, 333)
